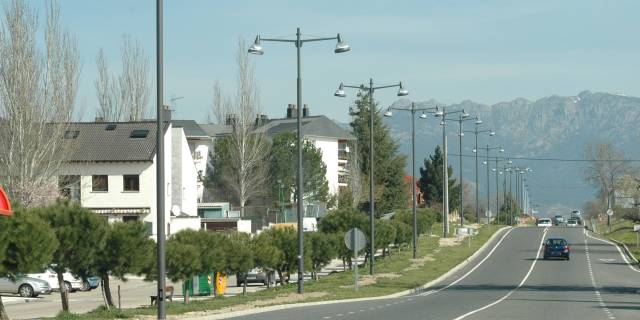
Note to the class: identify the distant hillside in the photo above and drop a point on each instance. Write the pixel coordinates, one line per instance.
(551, 127)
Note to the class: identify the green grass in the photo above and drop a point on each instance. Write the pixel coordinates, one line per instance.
(334, 285)
(622, 230)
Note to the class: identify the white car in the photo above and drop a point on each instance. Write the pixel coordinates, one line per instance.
(71, 283)
(572, 223)
(544, 222)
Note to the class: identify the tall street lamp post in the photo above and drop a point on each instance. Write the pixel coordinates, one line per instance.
(475, 151)
(160, 198)
(413, 111)
(256, 48)
(486, 162)
(462, 116)
(498, 173)
(340, 93)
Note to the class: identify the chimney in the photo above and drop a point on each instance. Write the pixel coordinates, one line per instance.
(292, 111)
(261, 119)
(305, 111)
(230, 119)
(99, 119)
(166, 114)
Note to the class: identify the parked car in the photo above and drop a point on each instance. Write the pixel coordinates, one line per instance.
(556, 248)
(90, 284)
(24, 286)
(71, 283)
(544, 222)
(256, 275)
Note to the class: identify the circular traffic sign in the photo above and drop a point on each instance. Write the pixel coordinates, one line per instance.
(610, 212)
(355, 239)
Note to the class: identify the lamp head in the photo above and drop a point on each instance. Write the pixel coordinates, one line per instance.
(346, 149)
(439, 113)
(484, 162)
(340, 92)
(474, 150)
(423, 115)
(341, 46)
(388, 113)
(256, 48)
(402, 91)
(478, 121)
(501, 150)
(493, 169)
(462, 134)
(492, 133)
(464, 114)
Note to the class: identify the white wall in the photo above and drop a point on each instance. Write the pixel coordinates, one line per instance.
(188, 197)
(183, 223)
(329, 148)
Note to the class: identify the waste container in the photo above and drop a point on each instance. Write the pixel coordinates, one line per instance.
(202, 284)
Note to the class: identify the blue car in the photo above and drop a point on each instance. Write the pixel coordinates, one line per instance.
(557, 248)
(90, 284)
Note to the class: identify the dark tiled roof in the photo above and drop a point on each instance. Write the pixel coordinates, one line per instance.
(95, 143)
(216, 130)
(190, 127)
(319, 126)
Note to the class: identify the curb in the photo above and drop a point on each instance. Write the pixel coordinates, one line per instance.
(625, 249)
(319, 303)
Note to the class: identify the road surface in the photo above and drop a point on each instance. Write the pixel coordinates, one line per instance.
(510, 280)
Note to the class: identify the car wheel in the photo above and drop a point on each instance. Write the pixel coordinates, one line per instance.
(238, 284)
(567, 258)
(85, 286)
(68, 287)
(26, 291)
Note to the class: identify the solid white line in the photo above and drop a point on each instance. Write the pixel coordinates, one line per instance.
(472, 269)
(624, 257)
(544, 234)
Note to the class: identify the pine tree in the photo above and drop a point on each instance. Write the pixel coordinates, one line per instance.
(430, 182)
(390, 189)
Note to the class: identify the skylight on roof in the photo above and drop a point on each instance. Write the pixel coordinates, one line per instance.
(110, 127)
(139, 133)
(71, 134)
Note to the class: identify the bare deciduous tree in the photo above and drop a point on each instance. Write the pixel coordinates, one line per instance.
(606, 166)
(126, 97)
(248, 149)
(38, 88)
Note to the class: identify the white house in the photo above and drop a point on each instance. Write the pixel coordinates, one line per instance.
(112, 172)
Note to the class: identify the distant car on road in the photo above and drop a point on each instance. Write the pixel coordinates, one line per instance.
(256, 275)
(572, 223)
(559, 220)
(544, 222)
(24, 286)
(556, 248)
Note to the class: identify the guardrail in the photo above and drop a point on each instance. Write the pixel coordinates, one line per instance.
(626, 250)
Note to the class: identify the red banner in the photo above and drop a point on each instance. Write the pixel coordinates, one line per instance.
(5, 206)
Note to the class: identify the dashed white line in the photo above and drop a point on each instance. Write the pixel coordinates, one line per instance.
(593, 282)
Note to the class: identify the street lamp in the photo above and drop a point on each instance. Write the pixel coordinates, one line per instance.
(491, 133)
(486, 162)
(340, 93)
(498, 172)
(462, 116)
(256, 48)
(413, 111)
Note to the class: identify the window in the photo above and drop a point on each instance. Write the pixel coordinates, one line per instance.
(99, 183)
(131, 182)
(139, 133)
(71, 134)
(110, 127)
(129, 218)
(69, 187)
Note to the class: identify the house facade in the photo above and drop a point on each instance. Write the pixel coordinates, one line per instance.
(112, 172)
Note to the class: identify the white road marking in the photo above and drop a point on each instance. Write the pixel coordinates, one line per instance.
(593, 281)
(586, 233)
(533, 264)
(472, 269)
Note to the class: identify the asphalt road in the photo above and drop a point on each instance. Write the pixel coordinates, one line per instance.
(510, 280)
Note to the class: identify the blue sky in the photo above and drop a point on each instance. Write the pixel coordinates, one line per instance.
(486, 51)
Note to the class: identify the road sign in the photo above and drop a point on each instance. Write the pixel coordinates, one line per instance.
(636, 227)
(355, 239)
(609, 212)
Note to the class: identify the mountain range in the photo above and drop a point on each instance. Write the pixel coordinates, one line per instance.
(548, 135)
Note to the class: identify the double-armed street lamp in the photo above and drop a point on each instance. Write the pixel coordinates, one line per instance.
(476, 132)
(256, 48)
(443, 114)
(486, 162)
(498, 172)
(423, 115)
(401, 93)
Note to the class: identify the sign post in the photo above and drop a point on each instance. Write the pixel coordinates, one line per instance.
(609, 215)
(636, 229)
(355, 240)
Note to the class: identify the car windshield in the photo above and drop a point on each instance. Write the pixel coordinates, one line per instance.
(557, 242)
